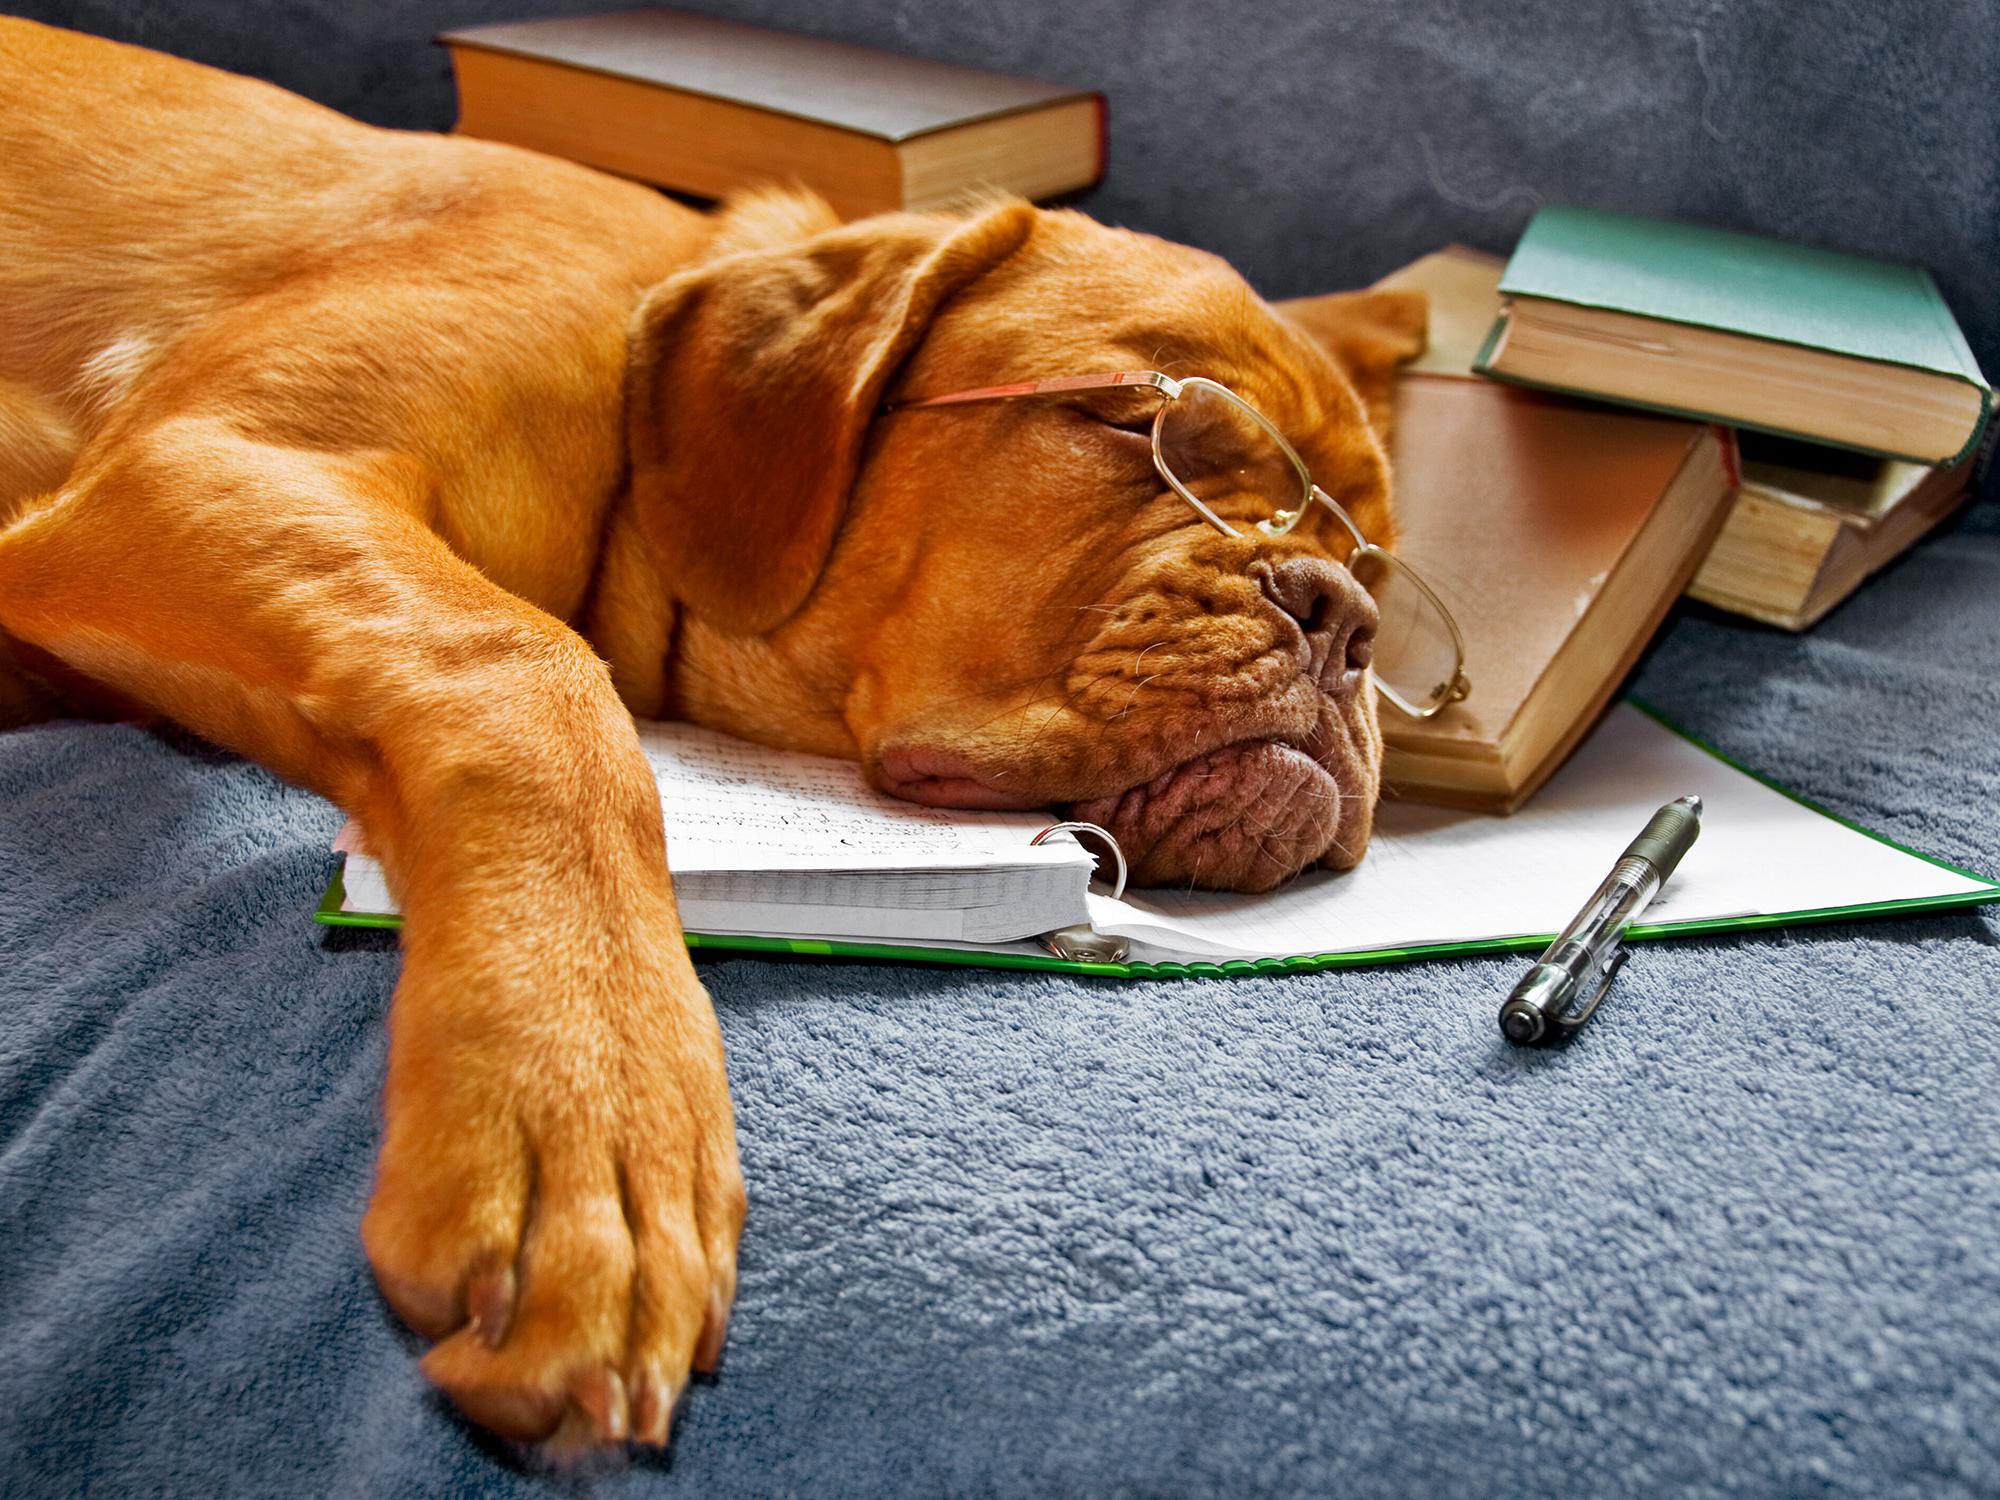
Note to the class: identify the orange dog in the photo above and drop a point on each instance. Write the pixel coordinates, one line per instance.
(413, 467)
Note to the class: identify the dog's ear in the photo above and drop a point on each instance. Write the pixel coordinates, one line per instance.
(753, 379)
(1368, 334)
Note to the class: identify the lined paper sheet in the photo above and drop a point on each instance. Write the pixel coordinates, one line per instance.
(1434, 875)
(731, 805)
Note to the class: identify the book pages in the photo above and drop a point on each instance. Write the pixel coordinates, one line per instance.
(765, 843)
(732, 805)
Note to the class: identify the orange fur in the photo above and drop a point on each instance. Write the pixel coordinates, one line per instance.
(411, 466)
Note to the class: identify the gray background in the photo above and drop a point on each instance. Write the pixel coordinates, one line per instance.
(1319, 145)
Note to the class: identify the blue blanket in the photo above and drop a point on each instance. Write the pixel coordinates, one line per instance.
(1029, 1236)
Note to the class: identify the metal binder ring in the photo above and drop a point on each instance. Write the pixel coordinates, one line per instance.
(1118, 889)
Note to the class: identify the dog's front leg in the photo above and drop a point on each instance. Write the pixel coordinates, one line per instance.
(557, 1199)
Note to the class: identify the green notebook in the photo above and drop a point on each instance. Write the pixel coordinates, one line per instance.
(1738, 329)
(794, 854)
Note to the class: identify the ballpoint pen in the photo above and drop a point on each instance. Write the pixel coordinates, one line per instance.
(1563, 989)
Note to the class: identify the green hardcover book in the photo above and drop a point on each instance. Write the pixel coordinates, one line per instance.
(779, 853)
(1738, 329)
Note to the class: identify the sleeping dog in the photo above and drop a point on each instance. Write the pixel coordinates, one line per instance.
(414, 467)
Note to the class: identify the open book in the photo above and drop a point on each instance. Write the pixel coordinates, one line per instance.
(792, 853)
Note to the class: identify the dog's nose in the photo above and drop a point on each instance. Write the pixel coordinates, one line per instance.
(1334, 611)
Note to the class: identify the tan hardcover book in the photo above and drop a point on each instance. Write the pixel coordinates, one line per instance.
(1811, 523)
(1559, 535)
(1463, 287)
(705, 106)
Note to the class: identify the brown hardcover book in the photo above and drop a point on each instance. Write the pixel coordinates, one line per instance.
(704, 106)
(1811, 523)
(1559, 535)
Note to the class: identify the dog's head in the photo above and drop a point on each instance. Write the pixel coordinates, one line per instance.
(1002, 604)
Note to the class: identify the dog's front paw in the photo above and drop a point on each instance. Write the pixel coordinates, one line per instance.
(558, 1198)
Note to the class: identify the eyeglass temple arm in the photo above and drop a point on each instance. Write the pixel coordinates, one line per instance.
(1151, 378)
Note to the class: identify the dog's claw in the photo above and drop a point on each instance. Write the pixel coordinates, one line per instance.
(601, 1396)
(714, 1334)
(652, 1412)
(489, 1298)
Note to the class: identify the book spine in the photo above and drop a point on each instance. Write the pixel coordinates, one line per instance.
(1482, 362)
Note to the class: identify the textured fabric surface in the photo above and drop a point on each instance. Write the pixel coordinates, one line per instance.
(1029, 1236)
(1019, 1236)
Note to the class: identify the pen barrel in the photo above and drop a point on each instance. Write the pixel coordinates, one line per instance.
(1667, 836)
(1563, 988)
(1591, 936)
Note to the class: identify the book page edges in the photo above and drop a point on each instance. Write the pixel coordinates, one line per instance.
(1494, 349)
(1734, 578)
(1493, 359)
(1038, 158)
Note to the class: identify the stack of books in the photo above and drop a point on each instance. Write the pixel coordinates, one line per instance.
(1670, 409)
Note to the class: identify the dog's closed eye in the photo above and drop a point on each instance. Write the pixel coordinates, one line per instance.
(1127, 443)
(1132, 418)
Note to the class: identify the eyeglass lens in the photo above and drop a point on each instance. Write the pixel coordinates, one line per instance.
(1222, 452)
(1416, 654)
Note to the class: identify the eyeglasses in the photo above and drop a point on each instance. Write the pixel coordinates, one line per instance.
(1209, 444)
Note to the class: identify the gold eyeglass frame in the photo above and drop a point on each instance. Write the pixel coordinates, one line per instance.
(1284, 520)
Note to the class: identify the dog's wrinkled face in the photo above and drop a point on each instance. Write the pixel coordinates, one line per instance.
(1015, 610)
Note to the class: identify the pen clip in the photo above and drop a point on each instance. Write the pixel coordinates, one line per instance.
(1583, 1006)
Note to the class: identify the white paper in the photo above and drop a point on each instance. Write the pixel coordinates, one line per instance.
(1434, 875)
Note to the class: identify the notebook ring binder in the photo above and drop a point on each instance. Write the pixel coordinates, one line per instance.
(1082, 944)
(1117, 854)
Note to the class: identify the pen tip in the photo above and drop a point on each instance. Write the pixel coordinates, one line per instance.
(1692, 803)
